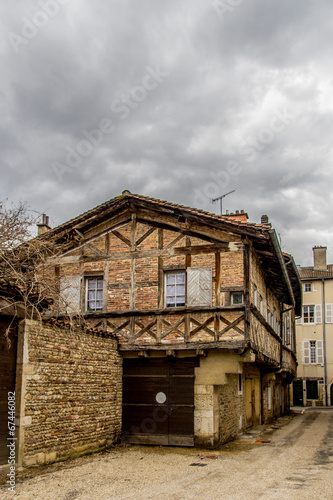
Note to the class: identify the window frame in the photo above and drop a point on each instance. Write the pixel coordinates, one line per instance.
(307, 285)
(175, 272)
(97, 277)
(255, 295)
(308, 322)
(232, 295)
(313, 353)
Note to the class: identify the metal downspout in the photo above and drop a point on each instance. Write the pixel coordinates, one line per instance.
(324, 341)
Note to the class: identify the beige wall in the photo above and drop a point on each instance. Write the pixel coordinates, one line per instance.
(313, 331)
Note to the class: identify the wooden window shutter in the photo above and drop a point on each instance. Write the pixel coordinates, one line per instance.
(70, 294)
(306, 352)
(329, 315)
(199, 286)
(318, 313)
(320, 352)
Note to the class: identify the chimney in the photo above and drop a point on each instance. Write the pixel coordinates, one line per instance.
(43, 227)
(239, 216)
(264, 219)
(319, 258)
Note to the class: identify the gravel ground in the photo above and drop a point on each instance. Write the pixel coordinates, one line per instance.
(295, 464)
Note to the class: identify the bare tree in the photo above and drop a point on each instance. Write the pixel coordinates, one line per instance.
(29, 284)
(21, 258)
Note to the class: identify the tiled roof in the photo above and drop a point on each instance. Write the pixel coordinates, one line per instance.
(161, 204)
(310, 273)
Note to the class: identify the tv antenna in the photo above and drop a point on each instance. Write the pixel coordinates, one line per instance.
(221, 198)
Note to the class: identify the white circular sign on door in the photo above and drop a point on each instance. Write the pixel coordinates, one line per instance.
(161, 397)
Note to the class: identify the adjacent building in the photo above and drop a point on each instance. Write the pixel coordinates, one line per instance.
(172, 326)
(314, 334)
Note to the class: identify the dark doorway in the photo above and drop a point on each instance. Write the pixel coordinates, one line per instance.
(158, 401)
(311, 389)
(8, 348)
(298, 393)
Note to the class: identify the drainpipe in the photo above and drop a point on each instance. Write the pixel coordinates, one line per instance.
(324, 341)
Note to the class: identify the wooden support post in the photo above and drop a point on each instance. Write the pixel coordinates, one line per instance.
(132, 297)
(188, 256)
(217, 279)
(187, 329)
(159, 329)
(216, 326)
(247, 270)
(160, 298)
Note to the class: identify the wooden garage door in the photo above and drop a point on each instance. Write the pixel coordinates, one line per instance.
(158, 401)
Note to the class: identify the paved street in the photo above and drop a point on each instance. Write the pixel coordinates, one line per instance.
(297, 463)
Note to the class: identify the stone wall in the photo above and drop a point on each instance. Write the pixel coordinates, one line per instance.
(70, 388)
(231, 409)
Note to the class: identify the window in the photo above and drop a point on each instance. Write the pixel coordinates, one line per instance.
(192, 287)
(255, 295)
(199, 286)
(175, 289)
(312, 314)
(287, 329)
(269, 317)
(236, 298)
(313, 352)
(261, 305)
(94, 293)
(329, 313)
(308, 287)
(308, 314)
(69, 294)
(269, 397)
(311, 389)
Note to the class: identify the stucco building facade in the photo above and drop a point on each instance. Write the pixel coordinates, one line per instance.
(314, 334)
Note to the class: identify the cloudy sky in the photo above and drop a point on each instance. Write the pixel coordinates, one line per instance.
(182, 100)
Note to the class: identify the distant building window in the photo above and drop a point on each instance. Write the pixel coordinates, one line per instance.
(94, 294)
(308, 287)
(311, 389)
(308, 314)
(236, 298)
(175, 289)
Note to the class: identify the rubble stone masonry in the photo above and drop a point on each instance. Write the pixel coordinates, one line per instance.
(71, 396)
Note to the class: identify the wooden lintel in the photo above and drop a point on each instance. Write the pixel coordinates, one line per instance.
(233, 345)
(143, 354)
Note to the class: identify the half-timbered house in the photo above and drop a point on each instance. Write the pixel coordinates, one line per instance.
(201, 307)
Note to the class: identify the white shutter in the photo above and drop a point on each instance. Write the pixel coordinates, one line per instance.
(320, 352)
(306, 352)
(70, 294)
(329, 311)
(199, 286)
(318, 313)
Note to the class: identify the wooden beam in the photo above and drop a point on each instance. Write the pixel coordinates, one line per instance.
(174, 241)
(233, 345)
(145, 235)
(247, 270)
(217, 278)
(121, 237)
